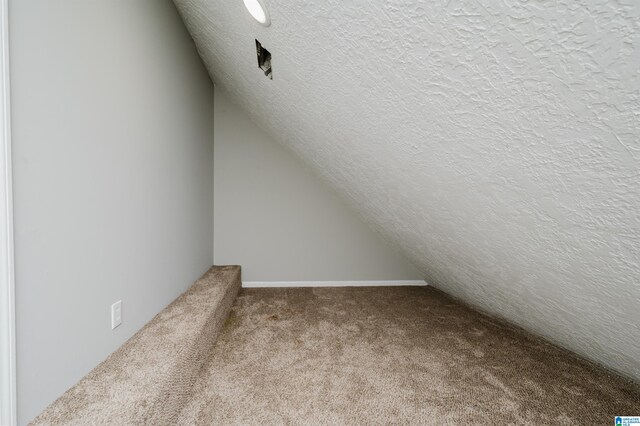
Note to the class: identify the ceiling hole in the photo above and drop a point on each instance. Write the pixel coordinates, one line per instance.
(264, 60)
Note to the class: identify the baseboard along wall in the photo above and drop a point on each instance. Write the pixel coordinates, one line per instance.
(381, 283)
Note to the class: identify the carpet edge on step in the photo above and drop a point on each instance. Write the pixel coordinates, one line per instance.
(149, 378)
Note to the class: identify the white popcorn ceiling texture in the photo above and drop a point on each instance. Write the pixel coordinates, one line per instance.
(497, 144)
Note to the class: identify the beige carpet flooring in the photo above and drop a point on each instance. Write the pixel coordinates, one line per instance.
(401, 355)
(150, 378)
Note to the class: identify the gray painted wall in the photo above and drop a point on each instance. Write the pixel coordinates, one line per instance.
(497, 143)
(277, 220)
(112, 138)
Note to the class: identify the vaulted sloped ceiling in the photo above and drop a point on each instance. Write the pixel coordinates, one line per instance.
(496, 143)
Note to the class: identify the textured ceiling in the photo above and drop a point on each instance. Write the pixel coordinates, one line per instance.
(495, 143)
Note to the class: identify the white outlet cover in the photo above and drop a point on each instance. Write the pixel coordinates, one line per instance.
(116, 314)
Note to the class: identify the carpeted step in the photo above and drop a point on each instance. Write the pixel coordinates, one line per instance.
(149, 378)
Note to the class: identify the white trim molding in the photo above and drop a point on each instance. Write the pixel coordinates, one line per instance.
(294, 284)
(8, 405)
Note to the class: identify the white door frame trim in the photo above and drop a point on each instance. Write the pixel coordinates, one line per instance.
(8, 406)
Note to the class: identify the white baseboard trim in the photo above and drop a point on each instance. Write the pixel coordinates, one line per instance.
(292, 284)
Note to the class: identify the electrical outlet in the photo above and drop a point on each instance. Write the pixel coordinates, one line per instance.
(116, 314)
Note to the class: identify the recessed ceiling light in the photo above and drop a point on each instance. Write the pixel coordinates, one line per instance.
(258, 10)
